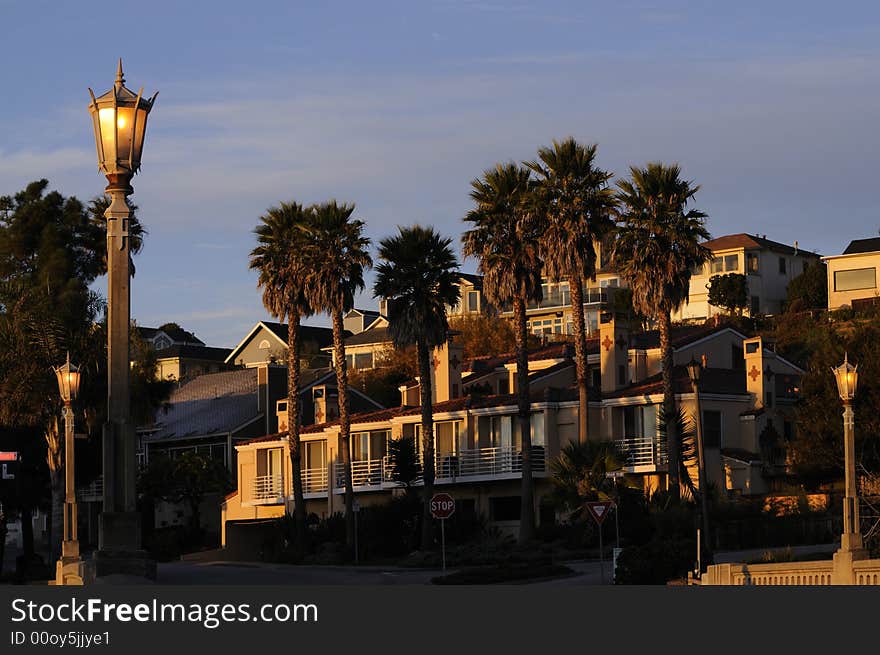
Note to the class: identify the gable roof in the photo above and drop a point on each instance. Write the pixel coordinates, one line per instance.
(744, 240)
(858, 246)
(681, 336)
(713, 380)
(372, 335)
(321, 335)
(476, 280)
(177, 335)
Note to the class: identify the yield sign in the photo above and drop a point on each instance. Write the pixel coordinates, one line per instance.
(600, 510)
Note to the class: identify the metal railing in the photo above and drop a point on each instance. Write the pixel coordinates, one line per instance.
(642, 451)
(592, 296)
(364, 473)
(486, 461)
(268, 488)
(314, 480)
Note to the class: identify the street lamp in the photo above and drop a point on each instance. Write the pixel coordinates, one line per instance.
(119, 119)
(69, 569)
(847, 377)
(695, 371)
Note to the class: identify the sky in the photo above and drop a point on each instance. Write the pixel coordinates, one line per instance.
(771, 107)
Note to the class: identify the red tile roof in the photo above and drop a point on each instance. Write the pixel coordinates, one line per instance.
(743, 240)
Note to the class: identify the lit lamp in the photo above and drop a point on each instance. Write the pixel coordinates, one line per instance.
(119, 119)
(69, 569)
(695, 371)
(847, 377)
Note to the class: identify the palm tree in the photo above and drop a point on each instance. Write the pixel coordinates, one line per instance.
(335, 254)
(418, 275)
(505, 240)
(658, 243)
(278, 260)
(579, 475)
(575, 205)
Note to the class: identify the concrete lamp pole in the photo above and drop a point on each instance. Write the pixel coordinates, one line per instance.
(70, 569)
(695, 370)
(119, 118)
(847, 377)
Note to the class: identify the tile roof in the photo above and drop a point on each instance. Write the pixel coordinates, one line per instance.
(214, 403)
(858, 246)
(476, 280)
(743, 240)
(714, 380)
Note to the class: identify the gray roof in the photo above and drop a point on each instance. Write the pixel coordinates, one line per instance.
(369, 336)
(858, 246)
(215, 403)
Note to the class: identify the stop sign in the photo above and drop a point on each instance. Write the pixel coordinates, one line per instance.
(442, 506)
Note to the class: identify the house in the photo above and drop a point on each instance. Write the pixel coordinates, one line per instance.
(266, 343)
(852, 276)
(768, 265)
(182, 362)
(358, 320)
(168, 335)
(365, 349)
(746, 404)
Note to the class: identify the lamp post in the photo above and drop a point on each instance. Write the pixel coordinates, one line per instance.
(69, 569)
(847, 377)
(119, 118)
(695, 370)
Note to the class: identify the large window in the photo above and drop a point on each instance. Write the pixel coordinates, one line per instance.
(752, 262)
(854, 279)
(725, 264)
(269, 461)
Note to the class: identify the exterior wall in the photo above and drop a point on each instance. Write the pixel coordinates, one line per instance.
(252, 354)
(177, 368)
(767, 284)
(838, 299)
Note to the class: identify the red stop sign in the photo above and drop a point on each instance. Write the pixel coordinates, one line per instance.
(442, 506)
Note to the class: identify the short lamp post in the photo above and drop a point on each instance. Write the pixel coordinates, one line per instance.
(69, 567)
(847, 377)
(695, 371)
(119, 119)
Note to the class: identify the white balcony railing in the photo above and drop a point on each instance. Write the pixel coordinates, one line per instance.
(486, 461)
(268, 488)
(643, 451)
(364, 473)
(314, 480)
(92, 492)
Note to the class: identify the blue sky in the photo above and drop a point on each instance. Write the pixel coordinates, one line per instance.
(396, 106)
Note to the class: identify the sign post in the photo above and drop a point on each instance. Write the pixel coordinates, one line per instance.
(442, 507)
(599, 510)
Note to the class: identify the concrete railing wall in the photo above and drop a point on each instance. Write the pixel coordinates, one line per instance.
(840, 571)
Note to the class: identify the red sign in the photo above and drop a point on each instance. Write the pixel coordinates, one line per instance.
(442, 506)
(600, 510)
(7, 456)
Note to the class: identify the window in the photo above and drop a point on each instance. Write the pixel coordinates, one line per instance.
(854, 279)
(718, 265)
(621, 374)
(269, 461)
(363, 360)
(731, 263)
(752, 262)
(755, 307)
(697, 270)
(501, 431)
(537, 422)
(711, 428)
(314, 454)
(782, 265)
(473, 299)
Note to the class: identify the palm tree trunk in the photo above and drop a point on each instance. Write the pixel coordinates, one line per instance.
(293, 422)
(425, 393)
(672, 437)
(576, 290)
(527, 508)
(344, 424)
(55, 461)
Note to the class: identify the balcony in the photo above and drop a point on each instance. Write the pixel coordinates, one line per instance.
(592, 296)
(642, 454)
(267, 489)
(479, 464)
(314, 481)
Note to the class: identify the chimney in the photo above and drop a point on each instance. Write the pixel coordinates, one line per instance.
(446, 361)
(613, 352)
(271, 386)
(326, 401)
(759, 373)
(281, 415)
